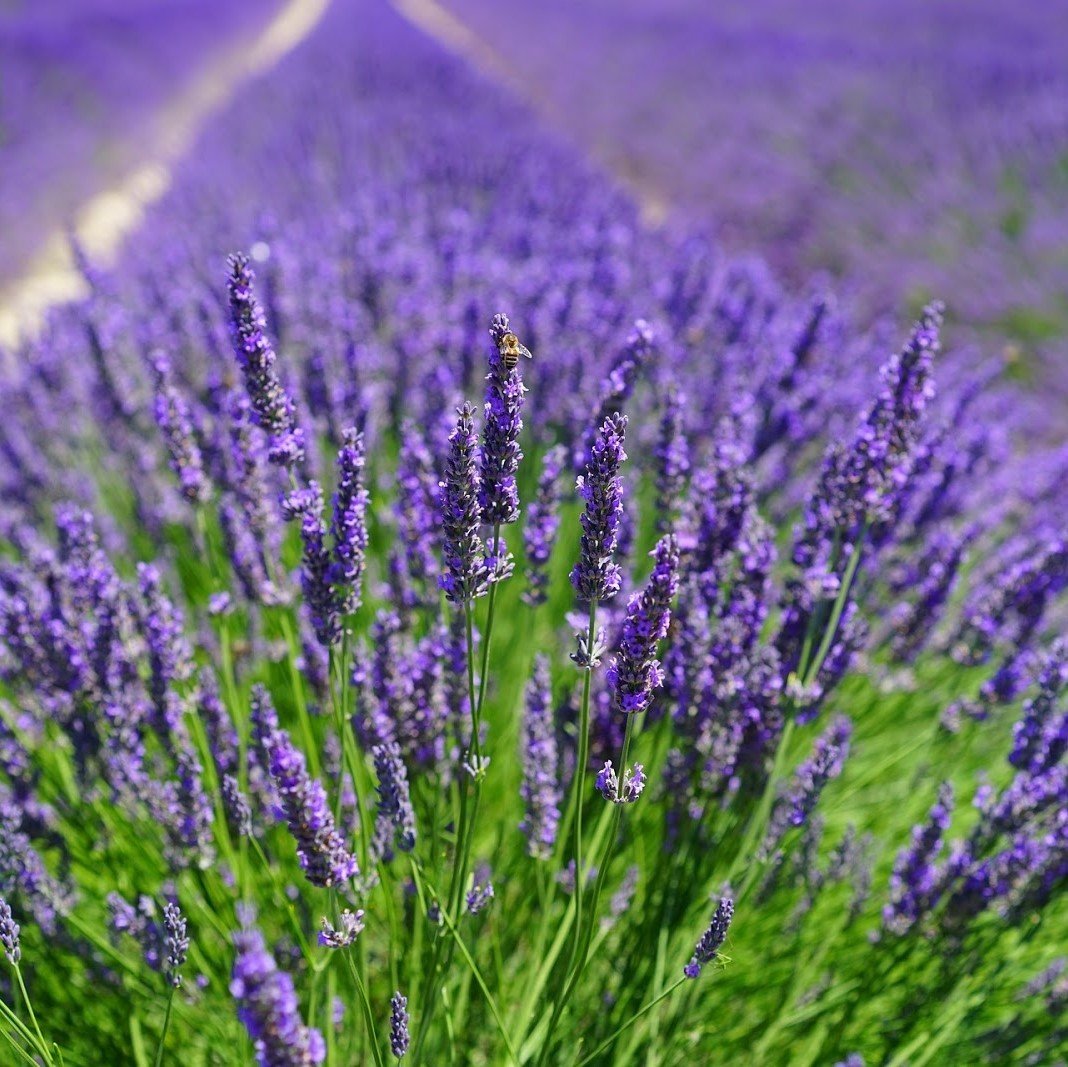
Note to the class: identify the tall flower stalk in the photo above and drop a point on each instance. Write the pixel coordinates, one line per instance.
(471, 496)
(596, 577)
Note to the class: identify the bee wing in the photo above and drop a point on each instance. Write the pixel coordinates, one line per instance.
(524, 351)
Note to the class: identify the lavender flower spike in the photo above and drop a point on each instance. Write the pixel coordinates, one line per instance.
(915, 877)
(539, 531)
(9, 933)
(635, 672)
(398, 1025)
(320, 849)
(711, 939)
(609, 786)
(498, 495)
(1040, 722)
(466, 575)
(350, 926)
(481, 892)
(394, 798)
(324, 605)
(173, 419)
(176, 942)
(870, 477)
(350, 522)
(672, 459)
(267, 1006)
(541, 786)
(236, 805)
(271, 404)
(595, 576)
(826, 762)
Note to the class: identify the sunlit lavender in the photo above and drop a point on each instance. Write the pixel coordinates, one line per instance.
(453, 611)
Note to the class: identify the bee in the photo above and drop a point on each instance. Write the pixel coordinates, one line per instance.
(510, 350)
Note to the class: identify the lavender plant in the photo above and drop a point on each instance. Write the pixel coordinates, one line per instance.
(362, 783)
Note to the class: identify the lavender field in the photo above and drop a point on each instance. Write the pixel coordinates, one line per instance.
(544, 543)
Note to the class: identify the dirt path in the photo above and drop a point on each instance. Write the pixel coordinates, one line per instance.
(105, 219)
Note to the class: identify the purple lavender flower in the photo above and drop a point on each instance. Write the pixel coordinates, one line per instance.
(1010, 607)
(165, 944)
(618, 384)
(543, 518)
(810, 778)
(627, 792)
(1024, 799)
(712, 939)
(498, 495)
(176, 943)
(466, 575)
(169, 655)
(481, 892)
(139, 922)
(915, 877)
(272, 407)
(236, 804)
(196, 815)
(9, 933)
(394, 798)
(1038, 740)
(540, 790)
(721, 505)
(635, 673)
(349, 523)
(324, 605)
(267, 1006)
(350, 926)
(672, 460)
(859, 485)
(936, 574)
(866, 479)
(595, 576)
(320, 849)
(417, 508)
(175, 423)
(398, 1025)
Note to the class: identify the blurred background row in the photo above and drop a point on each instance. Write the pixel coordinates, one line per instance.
(911, 148)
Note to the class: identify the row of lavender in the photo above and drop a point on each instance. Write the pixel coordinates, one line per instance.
(910, 148)
(304, 710)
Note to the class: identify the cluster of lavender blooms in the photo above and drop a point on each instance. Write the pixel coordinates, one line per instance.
(1016, 856)
(268, 1006)
(302, 801)
(164, 942)
(341, 718)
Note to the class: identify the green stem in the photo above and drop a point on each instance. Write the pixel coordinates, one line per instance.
(30, 1012)
(329, 1029)
(811, 671)
(20, 1027)
(575, 801)
(365, 1003)
(10, 1037)
(475, 972)
(435, 978)
(581, 767)
(166, 1024)
(585, 936)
